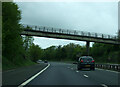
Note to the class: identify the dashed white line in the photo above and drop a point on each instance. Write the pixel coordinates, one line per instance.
(86, 76)
(26, 82)
(104, 85)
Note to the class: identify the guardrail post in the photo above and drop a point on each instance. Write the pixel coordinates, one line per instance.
(52, 29)
(95, 34)
(35, 27)
(43, 28)
(102, 36)
(82, 33)
(109, 36)
(116, 67)
(67, 31)
(74, 32)
(89, 34)
(59, 30)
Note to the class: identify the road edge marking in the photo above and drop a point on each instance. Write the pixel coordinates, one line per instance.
(30, 79)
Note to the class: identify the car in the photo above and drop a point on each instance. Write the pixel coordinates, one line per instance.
(45, 61)
(39, 61)
(86, 62)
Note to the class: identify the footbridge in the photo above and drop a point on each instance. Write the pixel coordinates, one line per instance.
(41, 31)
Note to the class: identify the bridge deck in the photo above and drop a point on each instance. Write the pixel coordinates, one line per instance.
(69, 36)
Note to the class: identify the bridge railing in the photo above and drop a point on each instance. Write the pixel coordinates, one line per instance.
(72, 32)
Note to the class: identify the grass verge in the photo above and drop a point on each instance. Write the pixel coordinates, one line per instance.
(8, 65)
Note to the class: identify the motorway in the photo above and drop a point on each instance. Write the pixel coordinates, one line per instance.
(66, 74)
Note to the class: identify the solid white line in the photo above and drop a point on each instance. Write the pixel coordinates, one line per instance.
(104, 85)
(86, 76)
(30, 79)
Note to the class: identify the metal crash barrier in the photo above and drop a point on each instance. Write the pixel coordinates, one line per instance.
(115, 67)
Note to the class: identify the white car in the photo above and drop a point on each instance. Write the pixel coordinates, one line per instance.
(39, 61)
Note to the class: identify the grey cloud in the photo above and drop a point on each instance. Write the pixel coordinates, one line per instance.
(89, 16)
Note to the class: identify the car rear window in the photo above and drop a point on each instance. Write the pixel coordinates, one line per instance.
(86, 59)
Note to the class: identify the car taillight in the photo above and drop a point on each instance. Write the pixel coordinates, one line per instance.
(81, 61)
(93, 61)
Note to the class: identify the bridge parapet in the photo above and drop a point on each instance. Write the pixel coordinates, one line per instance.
(72, 32)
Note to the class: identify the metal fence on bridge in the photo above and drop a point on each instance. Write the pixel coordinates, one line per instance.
(71, 32)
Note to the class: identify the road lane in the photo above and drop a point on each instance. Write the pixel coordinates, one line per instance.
(100, 75)
(60, 74)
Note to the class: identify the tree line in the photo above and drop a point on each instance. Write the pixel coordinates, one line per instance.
(20, 50)
(102, 53)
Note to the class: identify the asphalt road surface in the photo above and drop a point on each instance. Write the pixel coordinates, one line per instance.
(17, 76)
(67, 74)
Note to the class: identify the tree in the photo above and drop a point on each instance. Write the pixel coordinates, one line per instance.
(35, 52)
(11, 40)
(105, 52)
(28, 41)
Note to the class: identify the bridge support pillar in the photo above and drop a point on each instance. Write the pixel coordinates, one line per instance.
(87, 47)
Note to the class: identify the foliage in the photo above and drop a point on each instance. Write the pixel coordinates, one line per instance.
(13, 45)
(35, 52)
(105, 52)
(11, 40)
(59, 53)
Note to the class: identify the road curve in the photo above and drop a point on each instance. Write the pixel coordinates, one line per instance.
(67, 74)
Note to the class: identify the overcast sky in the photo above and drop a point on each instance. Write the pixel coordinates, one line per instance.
(99, 17)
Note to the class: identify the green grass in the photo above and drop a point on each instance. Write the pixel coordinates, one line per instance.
(8, 65)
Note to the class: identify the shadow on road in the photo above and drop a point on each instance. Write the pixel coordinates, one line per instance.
(84, 69)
